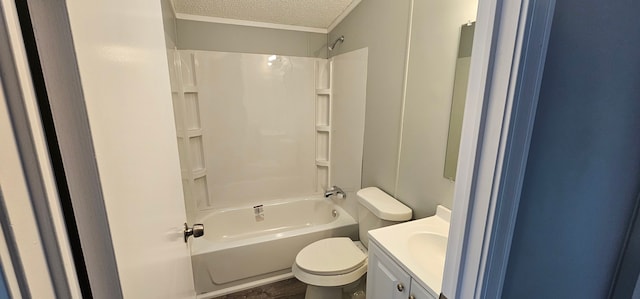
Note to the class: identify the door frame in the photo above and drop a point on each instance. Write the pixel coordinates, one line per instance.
(64, 151)
(626, 282)
(35, 254)
(509, 52)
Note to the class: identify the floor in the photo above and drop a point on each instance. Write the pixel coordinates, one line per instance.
(286, 289)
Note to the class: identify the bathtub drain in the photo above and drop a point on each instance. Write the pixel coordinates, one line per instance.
(334, 213)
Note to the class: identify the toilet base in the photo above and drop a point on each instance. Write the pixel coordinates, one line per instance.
(354, 290)
(314, 292)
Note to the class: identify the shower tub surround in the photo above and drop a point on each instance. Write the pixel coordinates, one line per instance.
(252, 245)
(260, 139)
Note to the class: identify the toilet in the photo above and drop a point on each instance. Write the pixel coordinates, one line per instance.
(331, 265)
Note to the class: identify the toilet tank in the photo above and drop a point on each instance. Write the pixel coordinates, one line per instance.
(378, 209)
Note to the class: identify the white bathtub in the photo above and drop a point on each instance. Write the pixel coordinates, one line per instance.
(241, 249)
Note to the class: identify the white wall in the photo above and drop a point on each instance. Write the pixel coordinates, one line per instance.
(258, 125)
(121, 53)
(582, 177)
(349, 96)
(435, 34)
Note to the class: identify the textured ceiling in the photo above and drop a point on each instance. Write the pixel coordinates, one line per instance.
(308, 13)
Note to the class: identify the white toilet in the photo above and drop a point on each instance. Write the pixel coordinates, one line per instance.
(330, 265)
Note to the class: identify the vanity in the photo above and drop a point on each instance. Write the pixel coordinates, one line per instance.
(407, 260)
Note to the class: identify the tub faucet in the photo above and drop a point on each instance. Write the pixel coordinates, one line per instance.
(335, 190)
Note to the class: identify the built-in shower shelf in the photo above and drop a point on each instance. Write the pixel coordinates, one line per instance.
(323, 91)
(323, 124)
(323, 163)
(186, 104)
(198, 173)
(194, 132)
(190, 88)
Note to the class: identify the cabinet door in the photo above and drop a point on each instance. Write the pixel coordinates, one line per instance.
(418, 292)
(385, 279)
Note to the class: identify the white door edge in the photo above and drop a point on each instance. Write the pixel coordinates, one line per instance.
(27, 255)
(508, 59)
(30, 249)
(6, 262)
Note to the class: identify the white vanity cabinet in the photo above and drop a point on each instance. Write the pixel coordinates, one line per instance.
(419, 292)
(387, 280)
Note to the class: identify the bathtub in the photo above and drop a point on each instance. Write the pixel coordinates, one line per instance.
(248, 246)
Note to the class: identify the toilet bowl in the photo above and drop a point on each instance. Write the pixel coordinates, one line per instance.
(329, 266)
(331, 262)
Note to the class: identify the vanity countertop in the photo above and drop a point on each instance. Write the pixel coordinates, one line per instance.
(419, 246)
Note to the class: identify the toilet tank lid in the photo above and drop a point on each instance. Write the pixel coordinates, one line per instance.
(383, 205)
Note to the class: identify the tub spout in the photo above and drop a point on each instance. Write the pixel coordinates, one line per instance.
(335, 190)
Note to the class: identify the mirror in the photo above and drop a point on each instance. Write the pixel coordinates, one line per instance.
(457, 102)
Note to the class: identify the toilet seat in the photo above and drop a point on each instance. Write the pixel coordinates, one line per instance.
(331, 262)
(330, 256)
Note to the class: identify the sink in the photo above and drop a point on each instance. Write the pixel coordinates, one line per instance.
(419, 245)
(428, 250)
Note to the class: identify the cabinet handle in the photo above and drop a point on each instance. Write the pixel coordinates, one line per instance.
(412, 297)
(400, 287)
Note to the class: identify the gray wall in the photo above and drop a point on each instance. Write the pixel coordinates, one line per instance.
(169, 24)
(195, 35)
(435, 36)
(583, 173)
(382, 26)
